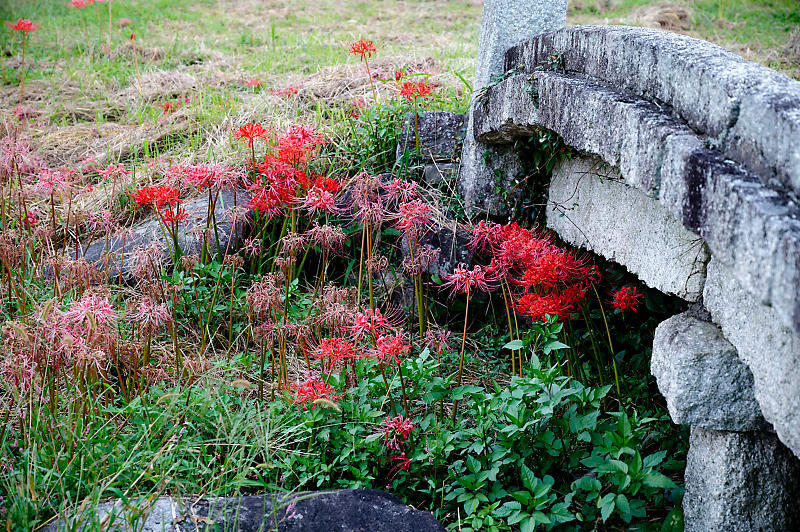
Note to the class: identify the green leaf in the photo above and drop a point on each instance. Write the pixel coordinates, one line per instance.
(654, 479)
(529, 480)
(514, 345)
(606, 505)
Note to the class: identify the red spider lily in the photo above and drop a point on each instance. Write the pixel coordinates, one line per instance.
(113, 171)
(157, 196)
(398, 76)
(314, 391)
(298, 144)
(627, 299)
(173, 217)
(51, 181)
(275, 187)
(374, 323)
(253, 83)
(250, 132)
(562, 304)
(395, 429)
(484, 235)
(399, 191)
(391, 348)
(285, 91)
(556, 266)
(318, 201)
(363, 47)
(334, 350)
(24, 25)
(463, 280)
(411, 90)
(412, 214)
(77, 4)
(328, 183)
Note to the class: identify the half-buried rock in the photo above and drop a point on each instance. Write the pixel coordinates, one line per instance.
(231, 224)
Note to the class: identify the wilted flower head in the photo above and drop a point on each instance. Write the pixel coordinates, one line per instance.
(395, 429)
(327, 237)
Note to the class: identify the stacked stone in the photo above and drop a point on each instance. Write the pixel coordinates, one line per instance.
(688, 175)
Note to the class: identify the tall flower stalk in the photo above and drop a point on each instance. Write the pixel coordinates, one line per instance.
(24, 27)
(365, 49)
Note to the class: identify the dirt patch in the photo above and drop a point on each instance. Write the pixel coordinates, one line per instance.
(145, 55)
(666, 17)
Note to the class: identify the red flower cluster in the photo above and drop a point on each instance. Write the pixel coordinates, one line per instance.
(627, 299)
(554, 281)
(314, 391)
(395, 429)
(412, 90)
(253, 83)
(157, 196)
(285, 91)
(363, 47)
(298, 144)
(335, 351)
(24, 25)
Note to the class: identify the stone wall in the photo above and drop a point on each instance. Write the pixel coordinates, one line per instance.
(688, 174)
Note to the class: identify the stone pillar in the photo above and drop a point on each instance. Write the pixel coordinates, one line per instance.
(739, 476)
(504, 24)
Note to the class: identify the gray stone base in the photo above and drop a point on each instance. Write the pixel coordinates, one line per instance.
(740, 481)
(590, 207)
(323, 511)
(702, 378)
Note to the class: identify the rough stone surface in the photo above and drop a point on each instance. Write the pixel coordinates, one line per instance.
(750, 112)
(436, 174)
(451, 244)
(770, 350)
(350, 510)
(740, 481)
(503, 24)
(700, 375)
(190, 239)
(441, 135)
(590, 207)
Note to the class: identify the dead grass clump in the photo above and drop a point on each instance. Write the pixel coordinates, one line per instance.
(593, 6)
(791, 50)
(665, 17)
(145, 55)
(157, 86)
(346, 83)
(108, 142)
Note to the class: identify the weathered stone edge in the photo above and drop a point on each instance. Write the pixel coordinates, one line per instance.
(751, 112)
(747, 225)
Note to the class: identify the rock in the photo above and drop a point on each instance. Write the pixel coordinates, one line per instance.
(450, 243)
(435, 175)
(503, 24)
(590, 207)
(441, 135)
(149, 231)
(700, 375)
(770, 350)
(487, 178)
(359, 510)
(740, 481)
(750, 112)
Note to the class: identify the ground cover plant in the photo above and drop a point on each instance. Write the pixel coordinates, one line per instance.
(288, 328)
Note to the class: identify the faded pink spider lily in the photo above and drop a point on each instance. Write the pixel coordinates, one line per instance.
(317, 201)
(395, 429)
